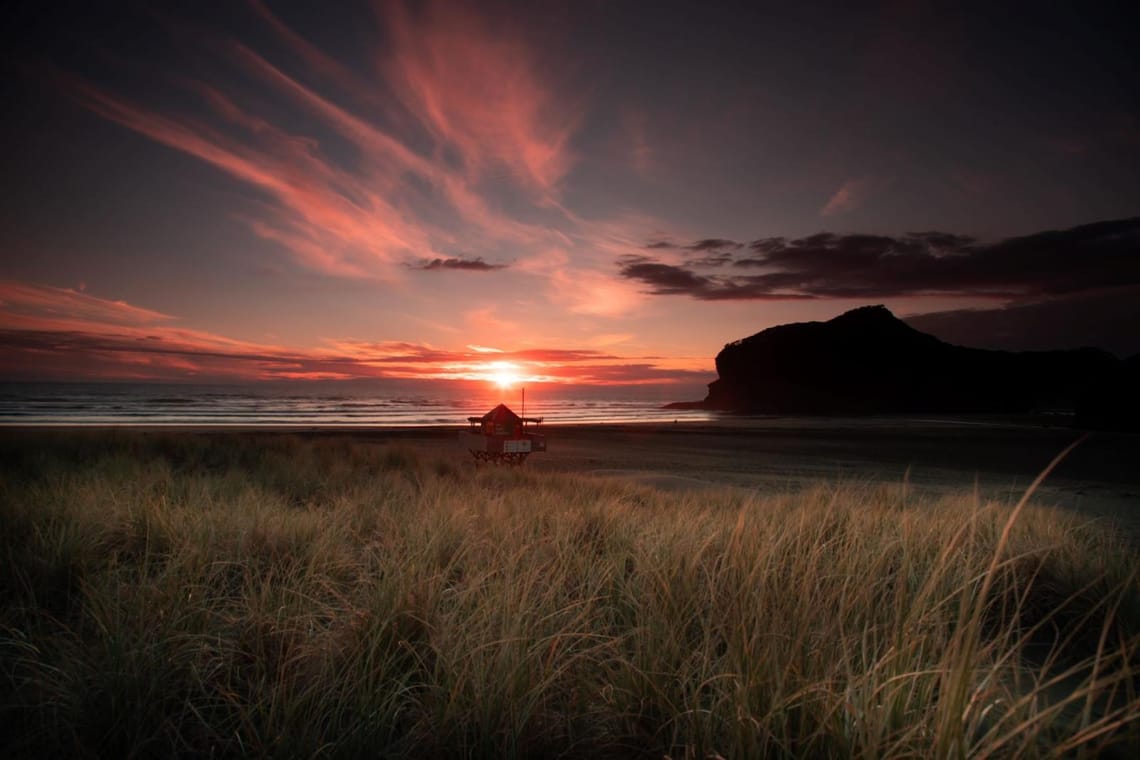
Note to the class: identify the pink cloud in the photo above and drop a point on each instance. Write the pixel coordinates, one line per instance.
(130, 354)
(49, 332)
(314, 215)
(467, 106)
(476, 89)
(394, 203)
(640, 152)
(316, 59)
(21, 300)
(386, 159)
(851, 195)
(596, 294)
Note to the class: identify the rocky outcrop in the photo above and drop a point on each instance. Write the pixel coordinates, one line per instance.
(867, 361)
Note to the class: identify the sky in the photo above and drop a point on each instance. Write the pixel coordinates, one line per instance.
(588, 193)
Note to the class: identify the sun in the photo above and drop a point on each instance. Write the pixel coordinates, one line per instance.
(503, 374)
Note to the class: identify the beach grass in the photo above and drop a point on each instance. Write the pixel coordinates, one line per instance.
(182, 594)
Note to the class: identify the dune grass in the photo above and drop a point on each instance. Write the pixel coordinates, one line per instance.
(222, 595)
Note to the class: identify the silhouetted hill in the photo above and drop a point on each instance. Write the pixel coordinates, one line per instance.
(1113, 403)
(867, 361)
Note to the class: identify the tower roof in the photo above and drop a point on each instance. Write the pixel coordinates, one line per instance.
(500, 414)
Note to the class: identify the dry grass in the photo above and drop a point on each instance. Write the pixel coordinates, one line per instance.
(235, 595)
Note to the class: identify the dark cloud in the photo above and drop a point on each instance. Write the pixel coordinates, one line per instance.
(941, 239)
(467, 265)
(698, 246)
(716, 252)
(713, 244)
(1052, 263)
(667, 279)
(767, 245)
(715, 259)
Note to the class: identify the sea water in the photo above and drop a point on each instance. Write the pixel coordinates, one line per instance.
(332, 405)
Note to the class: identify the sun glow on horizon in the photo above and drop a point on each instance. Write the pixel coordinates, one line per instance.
(504, 374)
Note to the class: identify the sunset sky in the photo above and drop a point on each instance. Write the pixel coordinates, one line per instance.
(590, 192)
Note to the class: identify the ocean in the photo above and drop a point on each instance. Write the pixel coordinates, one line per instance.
(317, 405)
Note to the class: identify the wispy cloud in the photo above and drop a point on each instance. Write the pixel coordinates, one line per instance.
(316, 59)
(473, 91)
(851, 195)
(636, 141)
(329, 219)
(713, 244)
(475, 88)
(454, 150)
(23, 300)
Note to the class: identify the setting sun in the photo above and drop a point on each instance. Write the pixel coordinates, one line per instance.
(503, 374)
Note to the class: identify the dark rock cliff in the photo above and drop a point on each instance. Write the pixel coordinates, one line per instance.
(867, 361)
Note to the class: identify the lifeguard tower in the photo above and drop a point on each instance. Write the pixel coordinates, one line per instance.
(502, 437)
